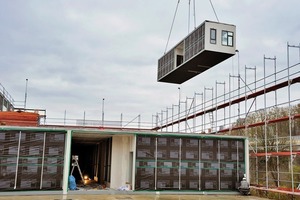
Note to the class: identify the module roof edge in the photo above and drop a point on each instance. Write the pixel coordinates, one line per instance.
(118, 132)
(154, 133)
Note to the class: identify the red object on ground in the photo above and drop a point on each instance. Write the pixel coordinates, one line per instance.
(19, 119)
(285, 153)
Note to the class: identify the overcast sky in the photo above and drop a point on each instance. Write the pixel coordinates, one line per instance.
(74, 53)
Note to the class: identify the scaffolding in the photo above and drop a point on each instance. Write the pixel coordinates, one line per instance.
(265, 109)
(6, 100)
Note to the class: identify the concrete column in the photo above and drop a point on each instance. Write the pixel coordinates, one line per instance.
(67, 160)
(121, 147)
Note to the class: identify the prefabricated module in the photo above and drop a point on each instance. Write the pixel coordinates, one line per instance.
(209, 44)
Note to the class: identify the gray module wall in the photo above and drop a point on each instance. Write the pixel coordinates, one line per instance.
(186, 163)
(31, 160)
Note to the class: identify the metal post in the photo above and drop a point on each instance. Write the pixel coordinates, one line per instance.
(246, 126)
(139, 121)
(256, 160)
(229, 110)
(238, 77)
(219, 83)
(246, 108)
(219, 162)
(167, 119)
(155, 169)
(103, 112)
(172, 117)
(25, 101)
(161, 119)
(121, 122)
(276, 125)
(265, 126)
(224, 103)
(239, 83)
(179, 99)
(83, 118)
(212, 95)
(199, 163)
(276, 116)
(194, 112)
(237, 162)
(202, 102)
(216, 114)
(65, 115)
(2, 101)
(289, 104)
(204, 110)
(200, 94)
(157, 118)
(186, 113)
(290, 125)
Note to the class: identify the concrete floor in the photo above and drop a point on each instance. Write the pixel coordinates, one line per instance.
(129, 197)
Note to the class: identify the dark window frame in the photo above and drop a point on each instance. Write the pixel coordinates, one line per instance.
(213, 36)
(228, 39)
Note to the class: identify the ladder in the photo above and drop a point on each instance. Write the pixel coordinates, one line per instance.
(76, 164)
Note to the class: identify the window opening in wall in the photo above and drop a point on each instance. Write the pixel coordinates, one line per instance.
(227, 38)
(213, 36)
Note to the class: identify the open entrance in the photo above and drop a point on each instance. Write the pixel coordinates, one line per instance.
(94, 160)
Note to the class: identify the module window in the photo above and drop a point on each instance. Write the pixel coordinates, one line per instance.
(213, 36)
(227, 38)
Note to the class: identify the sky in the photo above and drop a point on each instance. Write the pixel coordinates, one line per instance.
(75, 53)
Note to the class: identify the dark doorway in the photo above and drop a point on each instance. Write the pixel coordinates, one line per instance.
(94, 159)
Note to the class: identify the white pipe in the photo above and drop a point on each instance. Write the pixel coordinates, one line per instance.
(43, 160)
(17, 163)
(247, 166)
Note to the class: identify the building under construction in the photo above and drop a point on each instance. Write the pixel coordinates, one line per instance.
(38, 155)
(193, 149)
(208, 142)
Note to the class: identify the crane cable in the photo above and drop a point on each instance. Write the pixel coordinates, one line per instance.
(214, 10)
(194, 14)
(194, 7)
(171, 26)
(189, 17)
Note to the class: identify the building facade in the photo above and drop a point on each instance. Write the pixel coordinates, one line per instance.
(37, 158)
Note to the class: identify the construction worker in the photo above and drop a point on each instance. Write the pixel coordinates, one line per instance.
(244, 187)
